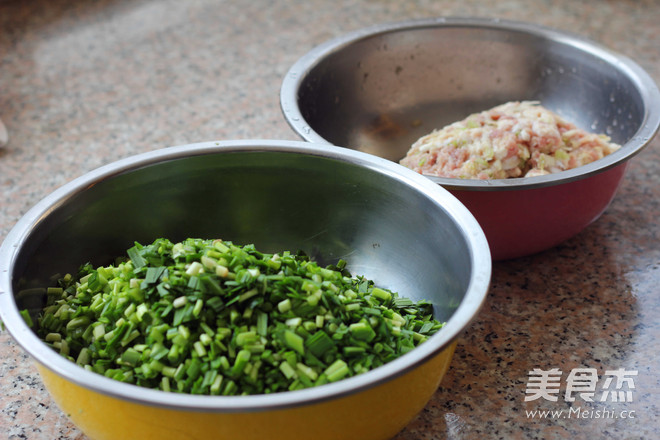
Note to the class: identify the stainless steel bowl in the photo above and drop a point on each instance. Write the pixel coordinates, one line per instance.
(379, 89)
(391, 225)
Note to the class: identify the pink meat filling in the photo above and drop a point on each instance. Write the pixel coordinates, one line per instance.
(516, 139)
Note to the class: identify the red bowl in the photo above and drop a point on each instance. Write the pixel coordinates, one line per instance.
(524, 222)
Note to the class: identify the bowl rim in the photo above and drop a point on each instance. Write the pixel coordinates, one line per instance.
(645, 85)
(467, 310)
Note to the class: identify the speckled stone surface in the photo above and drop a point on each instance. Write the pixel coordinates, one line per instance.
(85, 83)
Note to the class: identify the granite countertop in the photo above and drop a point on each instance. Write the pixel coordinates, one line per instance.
(86, 83)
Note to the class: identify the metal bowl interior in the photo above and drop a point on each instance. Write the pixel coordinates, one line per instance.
(379, 89)
(391, 225)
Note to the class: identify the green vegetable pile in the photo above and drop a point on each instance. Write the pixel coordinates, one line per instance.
(210, 317)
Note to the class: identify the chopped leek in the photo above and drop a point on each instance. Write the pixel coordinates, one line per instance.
(211, 317)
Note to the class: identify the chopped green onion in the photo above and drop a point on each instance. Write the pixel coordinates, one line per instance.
(338, 370)
(211, 317)
(294, 341)
(319, 343)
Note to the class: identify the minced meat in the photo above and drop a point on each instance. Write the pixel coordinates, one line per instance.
(516, 139)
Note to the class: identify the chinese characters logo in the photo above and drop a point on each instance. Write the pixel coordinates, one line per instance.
(613, 386)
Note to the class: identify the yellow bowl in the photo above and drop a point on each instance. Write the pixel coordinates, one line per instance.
(375, 414)
(391, 225)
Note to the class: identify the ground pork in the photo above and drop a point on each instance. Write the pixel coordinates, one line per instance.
(516, 139)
